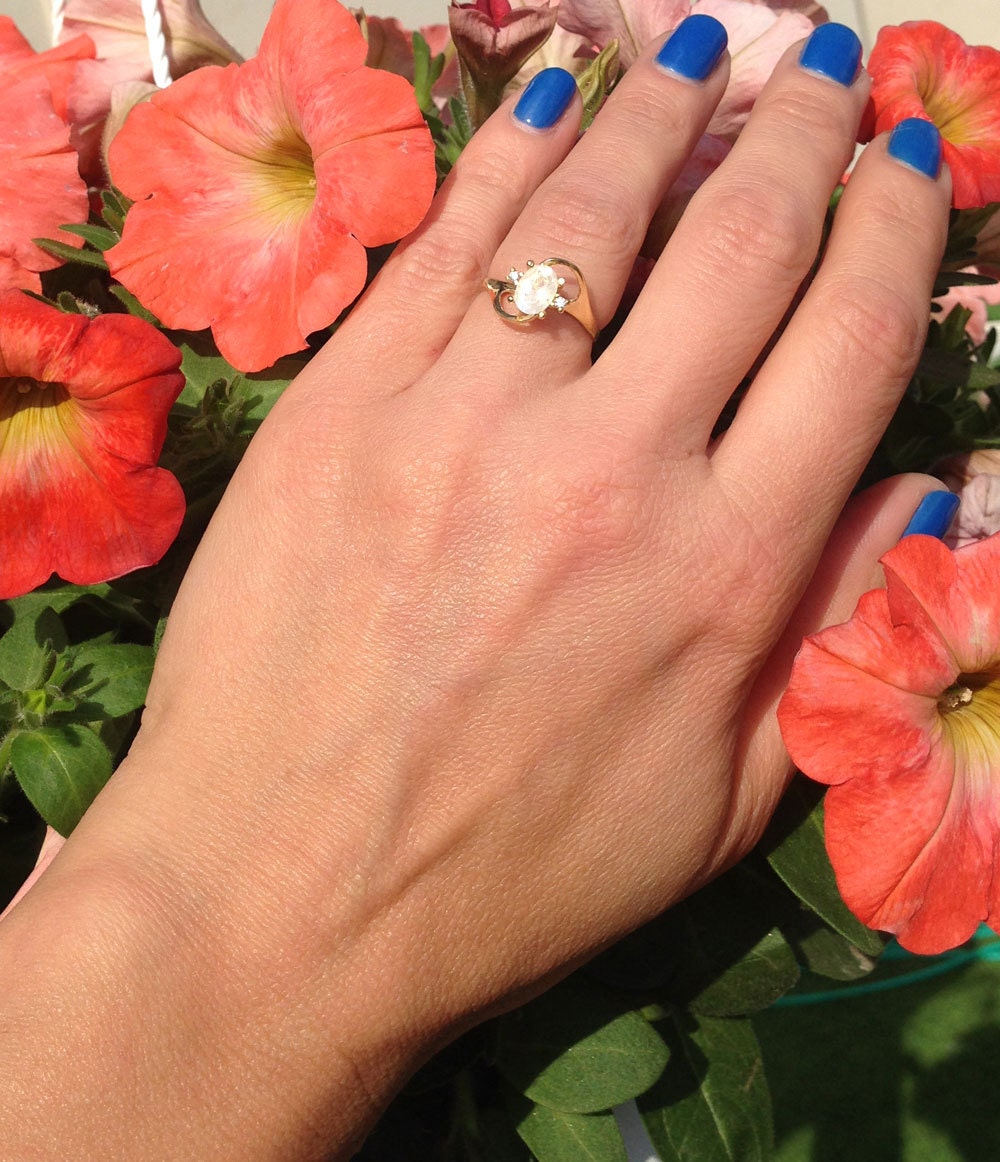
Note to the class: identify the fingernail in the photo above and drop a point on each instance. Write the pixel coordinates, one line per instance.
(694, 48)
(545, 99)
(934, 515)
(917, 144)
(832, 51)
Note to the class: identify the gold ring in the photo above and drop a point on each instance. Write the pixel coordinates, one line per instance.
(524, 296)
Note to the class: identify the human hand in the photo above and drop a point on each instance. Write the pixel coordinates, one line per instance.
(475, 668)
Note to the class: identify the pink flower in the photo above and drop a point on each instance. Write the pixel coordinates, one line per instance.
(52, 844)
(257, 187)
(922, 69)
(40, 187)
(116, 27)
(83, 416)
(758, 38)
(974, 298)
(898, 710)
(975, 476)
(390, 47)
(759, 33)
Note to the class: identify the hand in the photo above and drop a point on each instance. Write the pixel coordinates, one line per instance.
(475, 668)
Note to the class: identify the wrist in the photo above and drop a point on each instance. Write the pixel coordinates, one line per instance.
(152, 1017)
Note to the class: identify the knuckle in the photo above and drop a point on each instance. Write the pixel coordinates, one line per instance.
(875, 326)
(446, 255)
(763, 229)
(588, 217)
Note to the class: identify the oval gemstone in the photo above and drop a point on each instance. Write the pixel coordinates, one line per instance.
(536, 290)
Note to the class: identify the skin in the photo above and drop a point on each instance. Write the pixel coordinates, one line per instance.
(475, 669)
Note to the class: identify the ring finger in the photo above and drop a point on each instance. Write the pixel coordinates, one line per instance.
(595, 208)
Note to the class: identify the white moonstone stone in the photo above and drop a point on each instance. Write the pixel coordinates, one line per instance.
(536, 290)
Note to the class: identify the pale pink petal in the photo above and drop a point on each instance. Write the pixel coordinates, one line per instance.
(52, 844)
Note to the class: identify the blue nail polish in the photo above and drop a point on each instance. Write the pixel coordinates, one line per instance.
(917, 144)
(832, 51)
(545, 99)
(934, 515)
(694, 48)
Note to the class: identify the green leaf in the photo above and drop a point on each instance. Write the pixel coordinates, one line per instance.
(114, 207)
(596, 80)
(756, 981)
(796, 850)
(133, 306)
(718, 951)
(100, 237)
(114, 678)
(69, 253)
(574, 1049)
(61, 769)
(29, 647)
(203, 366)
(827, 953)
(712, 1104)
(555, 1136)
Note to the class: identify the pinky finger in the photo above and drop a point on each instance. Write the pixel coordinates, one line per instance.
(827, 391)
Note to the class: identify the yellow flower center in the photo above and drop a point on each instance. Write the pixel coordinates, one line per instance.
(970, 716)
(37, 420)
(285, 177)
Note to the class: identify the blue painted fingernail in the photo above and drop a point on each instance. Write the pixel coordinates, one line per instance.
(917, 144)
(545, 99)
(832, 51)
(694, 49)
(934, 515)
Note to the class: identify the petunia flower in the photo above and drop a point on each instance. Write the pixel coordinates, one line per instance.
(975, 476)
(83, 415)
(922, 69)
(976, 298)
(118, 30)
(390, 47)
(258, 186)
(40, 187)
(759, 33)
(898, 710)
(758, 37)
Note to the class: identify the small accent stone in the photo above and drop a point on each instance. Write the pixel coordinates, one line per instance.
(536, 290)
(513, 274)
(560, 303)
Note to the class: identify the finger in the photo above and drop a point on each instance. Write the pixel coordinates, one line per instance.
(830, 386)
(871, 523)
(424, 290)
(595, 208)
(743, 246)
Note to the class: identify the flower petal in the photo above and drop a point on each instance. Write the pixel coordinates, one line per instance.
(954, 593)
(915, 854)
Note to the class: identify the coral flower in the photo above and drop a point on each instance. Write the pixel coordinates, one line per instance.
(18, 60)
(922, 69)
(40, 188)
(258, 186)
(83, 415)
(899, 711)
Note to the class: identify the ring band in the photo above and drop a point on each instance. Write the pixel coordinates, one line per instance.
(524, 296)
